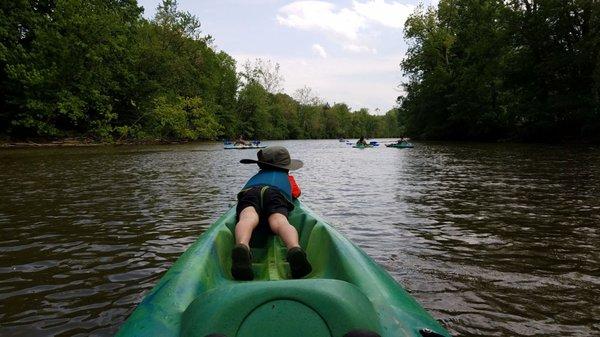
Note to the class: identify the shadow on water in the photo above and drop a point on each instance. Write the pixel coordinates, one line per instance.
(493, 239)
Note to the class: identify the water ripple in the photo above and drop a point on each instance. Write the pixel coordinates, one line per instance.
(495, 240)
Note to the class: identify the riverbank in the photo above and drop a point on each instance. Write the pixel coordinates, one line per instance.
(90, 142)
(81, 142)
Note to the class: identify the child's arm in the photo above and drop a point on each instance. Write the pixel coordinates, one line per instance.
(295, 188)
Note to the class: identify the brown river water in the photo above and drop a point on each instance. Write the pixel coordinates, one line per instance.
(492, 239)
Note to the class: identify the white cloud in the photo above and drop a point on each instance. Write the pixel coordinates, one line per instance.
(319, 50)
(346, 26)
(355, 48)
(321, 15)
(392, 14)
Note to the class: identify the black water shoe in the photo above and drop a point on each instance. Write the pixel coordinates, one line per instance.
(299, 264)
(241, 263)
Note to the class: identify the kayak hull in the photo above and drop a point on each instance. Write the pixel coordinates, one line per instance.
(346, 290)
(242, 147)
(363, 146)
(401, 146)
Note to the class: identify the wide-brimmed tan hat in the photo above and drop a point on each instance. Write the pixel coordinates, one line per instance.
(275, 157)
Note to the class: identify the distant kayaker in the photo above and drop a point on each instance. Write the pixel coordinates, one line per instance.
(362, 142)
(266, 199)
(241, 141)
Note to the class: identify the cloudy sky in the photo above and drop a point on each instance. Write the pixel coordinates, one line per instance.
(346, 51)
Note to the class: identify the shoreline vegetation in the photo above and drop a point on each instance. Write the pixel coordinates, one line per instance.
(88, 142)
(83, 142)
(99, 72)
(520, 70)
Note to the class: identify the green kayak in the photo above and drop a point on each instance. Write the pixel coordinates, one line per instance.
(346, 294)
(403, 145)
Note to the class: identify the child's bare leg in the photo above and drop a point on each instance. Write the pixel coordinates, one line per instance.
(241, 258)
(299, 265)
(281, 226)
(248, 220)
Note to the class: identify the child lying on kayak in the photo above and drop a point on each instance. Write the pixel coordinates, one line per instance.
(267, 199)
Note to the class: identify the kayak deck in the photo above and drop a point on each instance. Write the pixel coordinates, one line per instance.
(269, 262)
(345, 291)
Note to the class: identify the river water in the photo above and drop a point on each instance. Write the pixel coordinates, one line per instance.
(492, 239)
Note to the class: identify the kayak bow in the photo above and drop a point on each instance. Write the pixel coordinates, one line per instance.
(346, 291)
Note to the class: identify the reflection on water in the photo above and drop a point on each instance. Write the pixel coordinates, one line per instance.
(495, 240)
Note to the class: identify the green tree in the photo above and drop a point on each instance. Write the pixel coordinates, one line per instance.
(496, 69)
(98, 68)
(429, 74)
(176, 62)
(182, 118)
(290, 108)
(64, 70)
(253, 111)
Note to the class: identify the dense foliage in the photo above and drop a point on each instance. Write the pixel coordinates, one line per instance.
(97, 68)
(503, 69)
